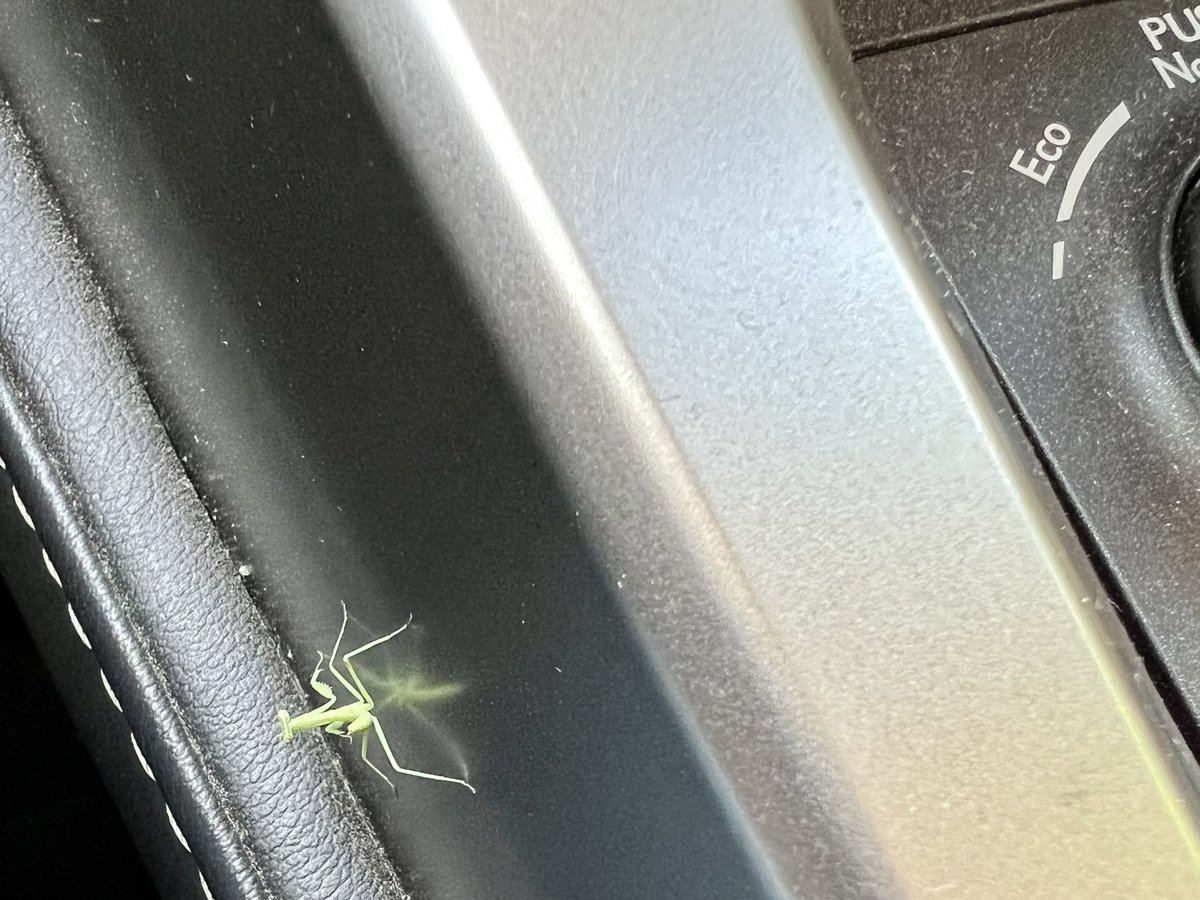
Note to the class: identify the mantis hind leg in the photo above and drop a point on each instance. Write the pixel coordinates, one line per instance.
(387, 749)
(362, 692)
(366, 736)
(443, 739)
(359, 696)
(357, 690)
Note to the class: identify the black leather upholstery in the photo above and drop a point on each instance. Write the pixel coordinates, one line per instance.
(196, 669)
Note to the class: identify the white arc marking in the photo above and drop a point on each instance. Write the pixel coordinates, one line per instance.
(1056, 263)
(1108, 128)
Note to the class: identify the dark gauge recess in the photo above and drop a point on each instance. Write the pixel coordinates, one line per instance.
(1181, 264)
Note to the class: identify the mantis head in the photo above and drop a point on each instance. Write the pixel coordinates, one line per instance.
(285, 723)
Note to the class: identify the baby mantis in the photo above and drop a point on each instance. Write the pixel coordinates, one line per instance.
(356, 717)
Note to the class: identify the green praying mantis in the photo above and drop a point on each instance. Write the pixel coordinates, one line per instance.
(356, 717)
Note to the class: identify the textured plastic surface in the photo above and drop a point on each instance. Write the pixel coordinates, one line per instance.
(1093, 357)
(1182, 269)
(873, 26)
(848, 577)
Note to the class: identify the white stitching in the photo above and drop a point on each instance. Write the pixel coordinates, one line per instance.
(50, 567)
(137, 750)
(21, 508)
(111, 695)
(78, 628)
(175, 828)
